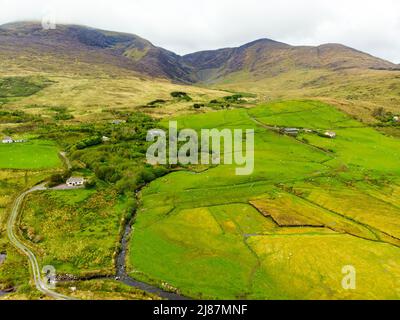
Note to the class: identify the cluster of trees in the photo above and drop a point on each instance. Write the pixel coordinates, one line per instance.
(178, 95)
(61, 113)
(58, 178)
(234, 98)
(181, 95)
(223, 103)
(89, 142)
(121, 161)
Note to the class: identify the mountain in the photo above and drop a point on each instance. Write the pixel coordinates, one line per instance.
(87, 50)
(267, 58)
(83, 49)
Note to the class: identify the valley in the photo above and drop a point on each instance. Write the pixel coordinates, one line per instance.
(299, 218)
(78, 102)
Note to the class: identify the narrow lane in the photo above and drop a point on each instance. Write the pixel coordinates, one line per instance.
(37, 277)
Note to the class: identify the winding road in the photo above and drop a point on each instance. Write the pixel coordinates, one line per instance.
(37, 277)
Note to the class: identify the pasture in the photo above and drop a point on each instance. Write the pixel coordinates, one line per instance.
(287, 230)
(33, 154)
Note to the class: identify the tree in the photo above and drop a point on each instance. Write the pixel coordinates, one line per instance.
(55, 180)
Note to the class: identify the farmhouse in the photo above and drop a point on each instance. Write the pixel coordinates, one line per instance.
(117, 122)
(75, 181)
(105, 139)
(7, 140)
(11, 140)
(330, 134)
(396, 118)
(291, 131)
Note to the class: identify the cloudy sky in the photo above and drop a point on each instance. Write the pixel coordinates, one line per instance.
(186, 26)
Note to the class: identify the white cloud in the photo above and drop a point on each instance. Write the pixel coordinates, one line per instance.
(185, 26)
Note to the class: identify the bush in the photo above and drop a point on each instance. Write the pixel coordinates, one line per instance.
(90, 183)
(55, 180)
(147, 175)
(105, 173)
(160, 171)
(126, 185)
(89, 142)
(181, 95)
(156, 102)
(234, 98)
(58, 178)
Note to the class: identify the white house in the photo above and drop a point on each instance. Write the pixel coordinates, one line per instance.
(11, 140)
(396, 118)
(117, 122)
(330, 134)
(7, 140)
(75, 181)
(291, 131)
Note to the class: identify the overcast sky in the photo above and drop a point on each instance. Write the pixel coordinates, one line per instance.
(185, 26)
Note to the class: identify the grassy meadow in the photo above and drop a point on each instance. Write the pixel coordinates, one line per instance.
(312, 206)
(35, 154)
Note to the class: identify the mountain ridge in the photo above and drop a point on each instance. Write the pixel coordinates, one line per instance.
(131, 53)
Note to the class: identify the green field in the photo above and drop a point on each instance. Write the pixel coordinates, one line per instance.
(312, 206)
(76, 231)
(34, 154)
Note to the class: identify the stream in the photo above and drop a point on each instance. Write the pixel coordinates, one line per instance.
(124, 278)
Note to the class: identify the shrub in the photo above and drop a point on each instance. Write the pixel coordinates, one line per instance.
(160, 171)
(233, 98)
(126, 185)
(89, 142)
(181, 95)
(55, 180)
(147, 175)
(156, 102)
(90, 183)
